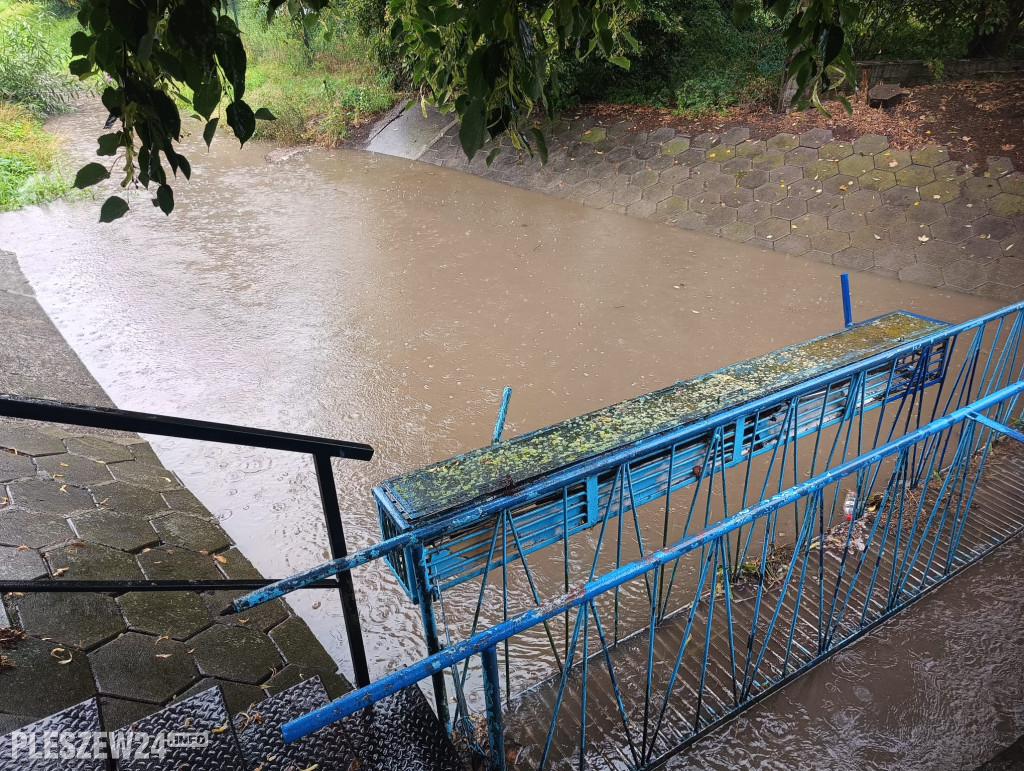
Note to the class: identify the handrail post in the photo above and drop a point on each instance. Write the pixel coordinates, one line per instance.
(844, 284)
(336, 538)
(492, 698)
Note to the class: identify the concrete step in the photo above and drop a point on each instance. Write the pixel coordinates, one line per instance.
(27, 749)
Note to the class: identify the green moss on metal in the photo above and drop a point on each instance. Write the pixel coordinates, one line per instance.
(457, 481)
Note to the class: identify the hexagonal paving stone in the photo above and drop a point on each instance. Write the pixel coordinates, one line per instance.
(599, 200)
(835, 151)
(658, 192)
(852, 257)
(675, 174)
(801, 156)
(238, 697)
(795, 244)
(770, 193)
(789, 208)
(786, 174)
(721, 183)
(846, 221)
(51, 496)
(783, 142)
(74, 469)
(981, 187)
(992, 226)
(18, 564)
(930, 155)
(293, 674)
(871, 144)
(21, 527)
(265, 616)
(920, 273)
(909, 235)
(94, 448)
(856, 165)
(91, 562)
(915, 176)
(804, 188)
(164, 563)
(815, 137)
(33, 665)
(1013, 246)
(734, 136)
(877, 180)
(751, 148)
(753, 179)
(176, 614)
(594, 135)
(644, 178)
(721, 154)
(736, 166)
(773, 229)
(29, 441)
(868, 237)
(965, 210)
(937, 253)
(114, 528)
(768, 160)
(825, 203)
(235, 653)
(737, 231)
(15, 466)
(885, 217)
(809, 224)
(300, 646)
(723, 215)
(135, 666)
(841, 184)
(830, 241)
(1007, 204)
(980, 250)
(925, 212)
(892, 160)
(671, 206)
(998, 167)
(820, 170)
(627, 195)
(965, 275)
(1009, 272)
(663, 134)
(737, 197)
(125, 497)
(1013, 184)
(692, 157)
(704, 203)
(893, 258)
(900, 195)
(754, 212)
(862, 201)
(73, 619)
(950, 230)
(941, 192)
(675, 146)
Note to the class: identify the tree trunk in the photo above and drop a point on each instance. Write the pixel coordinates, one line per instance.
(996, 44)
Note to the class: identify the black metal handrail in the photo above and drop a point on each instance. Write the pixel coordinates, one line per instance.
(321, 449)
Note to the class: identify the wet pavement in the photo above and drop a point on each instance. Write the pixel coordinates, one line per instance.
(101, 506)
(858, 205)
(379, 300)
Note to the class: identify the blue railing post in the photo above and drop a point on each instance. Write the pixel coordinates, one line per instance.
(844, 282)
(499, 424)
(492, 697)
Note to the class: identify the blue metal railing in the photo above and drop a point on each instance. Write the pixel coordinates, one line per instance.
(645, 575)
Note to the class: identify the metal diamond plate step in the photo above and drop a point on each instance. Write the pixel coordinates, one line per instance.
(82, 720)
(259, 733)
(204, 714)
(401, 733)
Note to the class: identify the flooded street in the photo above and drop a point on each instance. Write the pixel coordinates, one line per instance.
(380, 300)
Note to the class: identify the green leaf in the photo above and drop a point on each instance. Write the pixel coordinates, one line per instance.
(113, 208)
(109, 143)
(541, 142)
(90, 174)
(473, 130)
(264, 114)
(81, 44)
(80, 67)
(741, 11)
(242, 120)
(620, 61)
(210, 130)
(492, 155)
(164, 199)
(206, 99)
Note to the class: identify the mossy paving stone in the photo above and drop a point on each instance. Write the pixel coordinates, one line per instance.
(122, 713)
(38, 685)
(299, 645)
(835, 151)
(124, 497)
(179, 615)
(236, 565)
(235, 653)
(29, 441)
(21, 527)
(72, 619)
(20, 565)
(144, 475)
(1007, 204)
(264, 616)
(176, 562)
(118, 529)
(15, 467)
(91, 562)
(51, 496)
(94, 448)
(137, 666)
(182, 529)
(74, 469)
(184, 500)
(293, 674)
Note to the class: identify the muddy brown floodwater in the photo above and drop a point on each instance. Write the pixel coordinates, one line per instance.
(381, 300)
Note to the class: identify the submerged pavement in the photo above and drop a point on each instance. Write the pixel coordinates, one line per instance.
(859, 205)
(99, 505)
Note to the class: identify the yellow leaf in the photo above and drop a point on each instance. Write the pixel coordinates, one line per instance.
(220, 730)
(58, 653)
(164, 655)
(60, 572)
(220, 558)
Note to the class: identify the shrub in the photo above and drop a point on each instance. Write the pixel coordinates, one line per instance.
(29, 168)
(34, 58)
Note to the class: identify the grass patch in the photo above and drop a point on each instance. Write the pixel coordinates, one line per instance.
(30, 167)
(318, 87)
